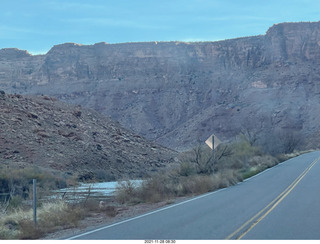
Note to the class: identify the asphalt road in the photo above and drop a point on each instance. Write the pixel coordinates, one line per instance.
(280, 203)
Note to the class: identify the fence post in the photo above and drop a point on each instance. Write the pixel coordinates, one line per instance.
(35, 202)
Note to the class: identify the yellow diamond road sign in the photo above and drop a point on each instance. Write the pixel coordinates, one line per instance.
(216, 142)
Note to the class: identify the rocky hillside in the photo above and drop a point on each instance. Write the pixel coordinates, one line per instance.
(44, 132)
(176, 93)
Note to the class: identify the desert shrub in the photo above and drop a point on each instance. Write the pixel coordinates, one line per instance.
(165, 186)
(18, 181)
(230, 177)
(103, 175)
(126, 191)
(110, 211)
(243, 148)
(250, 172)
(258, 164)
(200, 158)
(186, 169)
(91, 204)
(28, 230)
(160, 187)
(197, 184)
(60, 214)
(13, 182)
(11, 225)
(8, 229)
(14, 203)
(242, 151)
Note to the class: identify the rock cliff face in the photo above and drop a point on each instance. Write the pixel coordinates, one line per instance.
(176, 93)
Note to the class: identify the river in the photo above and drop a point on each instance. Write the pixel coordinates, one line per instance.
(100, 190)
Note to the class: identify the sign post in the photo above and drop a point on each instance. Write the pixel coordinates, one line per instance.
(213, 142)
(213, 159)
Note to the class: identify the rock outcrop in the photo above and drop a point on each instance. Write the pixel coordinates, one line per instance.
(176, 93)
(41, 131)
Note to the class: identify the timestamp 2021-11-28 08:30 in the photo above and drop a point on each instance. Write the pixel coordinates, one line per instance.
(160, 241)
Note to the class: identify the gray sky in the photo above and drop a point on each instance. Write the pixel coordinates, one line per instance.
(37, 25)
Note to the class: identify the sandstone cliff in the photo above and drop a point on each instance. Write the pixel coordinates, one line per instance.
(176, 93)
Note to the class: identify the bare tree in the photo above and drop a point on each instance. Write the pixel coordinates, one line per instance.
(290, 141)
(205, 159)
(252, 131)
(250, 135)
(223, 151)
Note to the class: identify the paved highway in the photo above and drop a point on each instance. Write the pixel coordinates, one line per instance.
(280, 203)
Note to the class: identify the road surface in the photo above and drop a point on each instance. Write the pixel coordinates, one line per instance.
(280, 203)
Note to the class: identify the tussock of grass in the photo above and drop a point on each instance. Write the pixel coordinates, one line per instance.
(51, 216)
(59, 214)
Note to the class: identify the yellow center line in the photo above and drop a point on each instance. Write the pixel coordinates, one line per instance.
(265, 211)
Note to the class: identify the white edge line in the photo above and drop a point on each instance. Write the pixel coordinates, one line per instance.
(144, 215)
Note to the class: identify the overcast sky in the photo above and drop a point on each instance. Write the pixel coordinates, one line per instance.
(37, 25)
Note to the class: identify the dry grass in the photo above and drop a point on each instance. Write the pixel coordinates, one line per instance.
(284, 157)
(92, 205)
(51, 216)
(165, 186)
